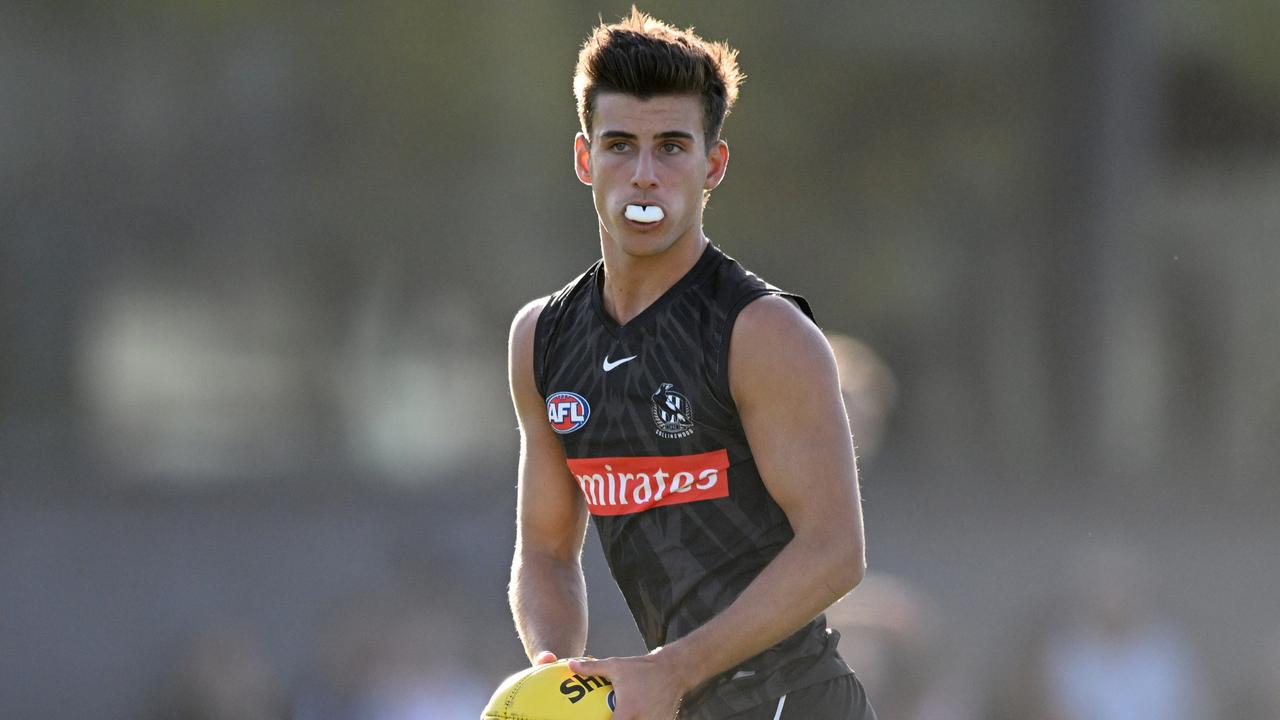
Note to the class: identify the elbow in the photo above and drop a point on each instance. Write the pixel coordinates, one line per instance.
(850, 568)
(859, 568)
(853, 573)
(855, 552)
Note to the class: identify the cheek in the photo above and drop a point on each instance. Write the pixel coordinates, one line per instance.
(691, 172)
(609, 173)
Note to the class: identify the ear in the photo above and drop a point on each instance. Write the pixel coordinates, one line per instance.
(582, 158)
(717, 164)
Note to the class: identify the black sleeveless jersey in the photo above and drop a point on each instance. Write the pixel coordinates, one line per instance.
(655, 444)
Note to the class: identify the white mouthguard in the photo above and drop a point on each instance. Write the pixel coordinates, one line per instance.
(644, 214)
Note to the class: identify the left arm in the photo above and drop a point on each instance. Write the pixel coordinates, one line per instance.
(783, 379)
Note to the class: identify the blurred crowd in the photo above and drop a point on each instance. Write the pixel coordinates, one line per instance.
(1098, 645)
(1099, 649)
(389, 654)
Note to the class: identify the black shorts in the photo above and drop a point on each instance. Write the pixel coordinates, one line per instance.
(840, 698)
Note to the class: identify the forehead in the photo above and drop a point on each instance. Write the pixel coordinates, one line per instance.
(645, 117)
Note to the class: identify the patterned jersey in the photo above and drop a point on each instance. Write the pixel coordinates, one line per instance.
(655, 444)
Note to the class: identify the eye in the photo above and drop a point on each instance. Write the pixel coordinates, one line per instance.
(618, 146)
(671, 148)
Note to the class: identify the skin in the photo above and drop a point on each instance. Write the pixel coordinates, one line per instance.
(649, 152)
(783, 380)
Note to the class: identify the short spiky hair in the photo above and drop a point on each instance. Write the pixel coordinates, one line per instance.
(643, 56)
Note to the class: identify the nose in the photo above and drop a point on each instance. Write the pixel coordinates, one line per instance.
(645, 175)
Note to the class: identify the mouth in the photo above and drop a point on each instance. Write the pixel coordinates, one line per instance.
(643, 214)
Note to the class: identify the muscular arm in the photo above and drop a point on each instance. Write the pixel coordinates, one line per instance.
(548, 595)
(783, 378)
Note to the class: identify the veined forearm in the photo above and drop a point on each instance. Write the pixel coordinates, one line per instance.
(801, 582)
(549, 604)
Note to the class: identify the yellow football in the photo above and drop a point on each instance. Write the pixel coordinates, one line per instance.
(551, 692)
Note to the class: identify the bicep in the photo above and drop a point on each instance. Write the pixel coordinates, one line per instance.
(784, 382)
(550, 513)
(551, 516)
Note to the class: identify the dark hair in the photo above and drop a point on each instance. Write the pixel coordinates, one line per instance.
(643, 56)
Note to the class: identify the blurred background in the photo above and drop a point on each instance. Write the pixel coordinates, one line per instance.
(258, 263)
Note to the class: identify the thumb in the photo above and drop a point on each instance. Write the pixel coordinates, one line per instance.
(544, 657)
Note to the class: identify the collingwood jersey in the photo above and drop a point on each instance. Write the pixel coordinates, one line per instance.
(654, 442)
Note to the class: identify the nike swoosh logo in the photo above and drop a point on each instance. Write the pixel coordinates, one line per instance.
(611, 365)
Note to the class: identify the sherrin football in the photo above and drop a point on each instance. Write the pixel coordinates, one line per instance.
(551, 692)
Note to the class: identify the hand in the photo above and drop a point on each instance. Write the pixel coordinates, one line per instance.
(545, 657)
(645, 688)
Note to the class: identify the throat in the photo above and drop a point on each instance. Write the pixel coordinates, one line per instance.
(631, 285)
(624, 305)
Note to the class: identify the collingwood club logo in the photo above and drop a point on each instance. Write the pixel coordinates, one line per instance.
(672, 413)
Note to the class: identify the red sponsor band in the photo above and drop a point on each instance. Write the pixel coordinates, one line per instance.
(624, 485)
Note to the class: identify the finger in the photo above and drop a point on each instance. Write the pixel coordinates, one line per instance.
(545, 657)
(584, 666)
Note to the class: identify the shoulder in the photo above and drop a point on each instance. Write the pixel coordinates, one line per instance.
(520, 346)
(526, 321)
(774, 342)
(520, 360)
(775, 320)
(551, 308)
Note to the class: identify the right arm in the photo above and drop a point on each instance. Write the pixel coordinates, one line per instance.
(548, 593)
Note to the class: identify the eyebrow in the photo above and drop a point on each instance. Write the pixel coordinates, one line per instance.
(667, 135)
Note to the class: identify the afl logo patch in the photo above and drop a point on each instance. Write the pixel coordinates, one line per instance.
(612, 702)
(567, 411)
(672, 413)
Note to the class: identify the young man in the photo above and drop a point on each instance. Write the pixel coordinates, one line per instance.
(692, 410)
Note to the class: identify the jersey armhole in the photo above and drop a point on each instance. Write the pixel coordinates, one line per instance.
(542, 345)
(549, 318)
(723, 389)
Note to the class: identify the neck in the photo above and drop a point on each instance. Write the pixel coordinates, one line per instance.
(633, 283)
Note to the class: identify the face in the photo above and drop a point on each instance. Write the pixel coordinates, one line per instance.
(649, 153)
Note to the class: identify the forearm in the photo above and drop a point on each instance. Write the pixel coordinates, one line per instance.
(549, 604)
(801, 582)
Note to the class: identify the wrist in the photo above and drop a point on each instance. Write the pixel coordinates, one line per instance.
(682, 670)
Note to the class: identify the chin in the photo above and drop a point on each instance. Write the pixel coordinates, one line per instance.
(645, 246)
(641, 244)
